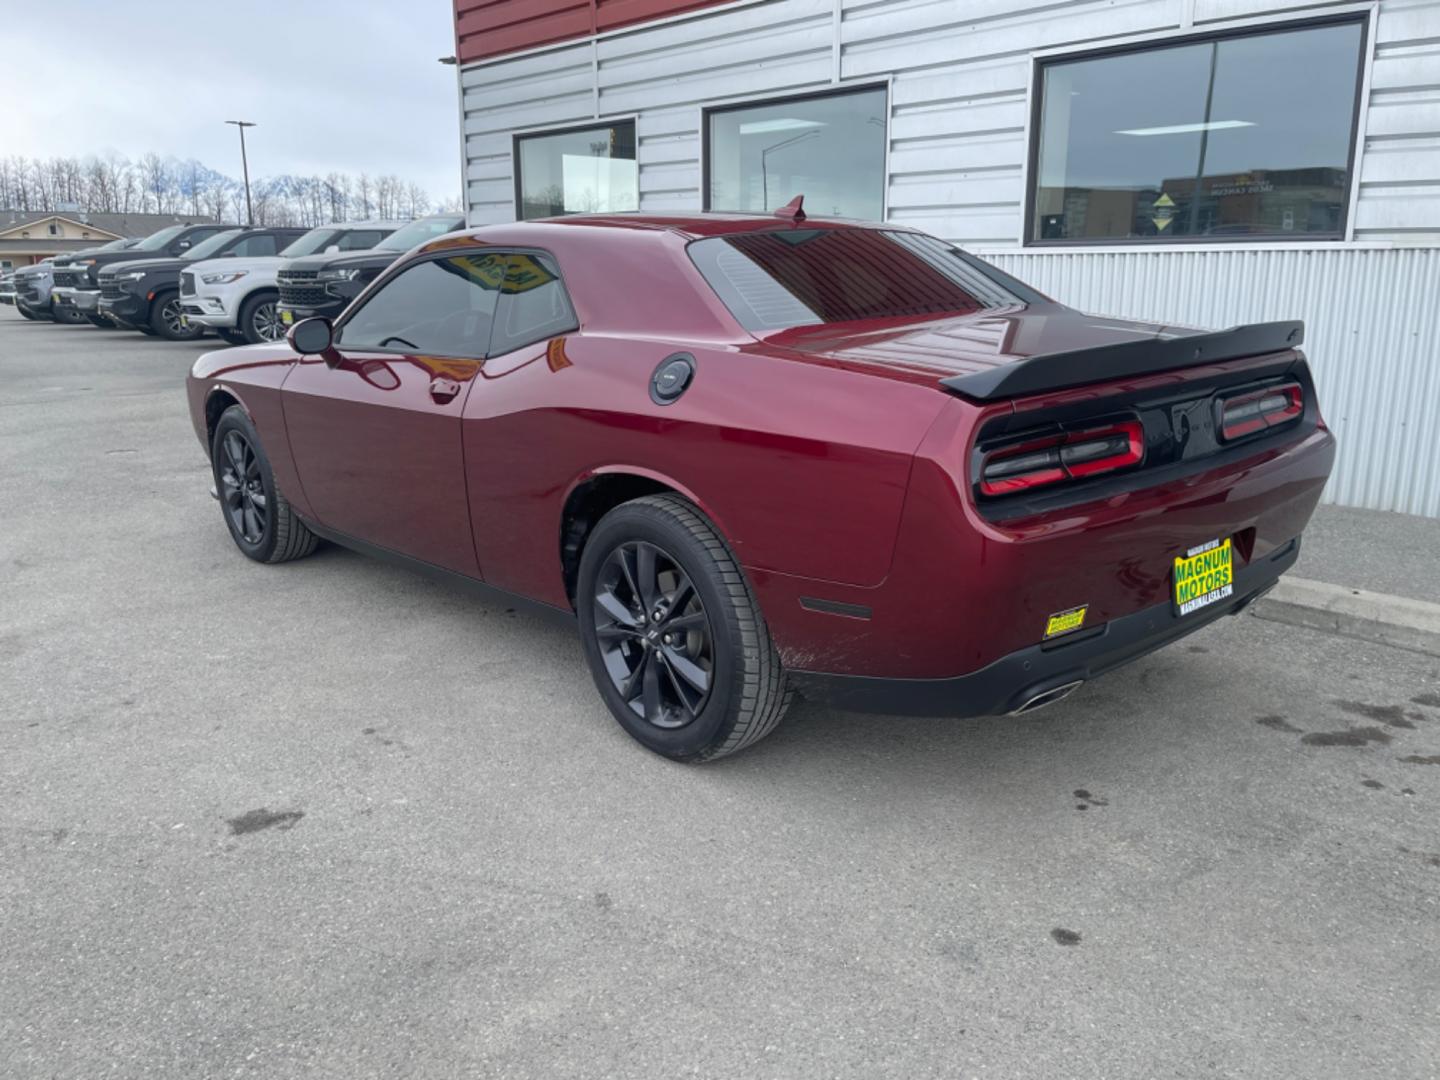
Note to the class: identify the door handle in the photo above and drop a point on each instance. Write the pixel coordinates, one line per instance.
(443, 390)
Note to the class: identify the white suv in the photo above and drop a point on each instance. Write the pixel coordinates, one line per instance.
(236, 296)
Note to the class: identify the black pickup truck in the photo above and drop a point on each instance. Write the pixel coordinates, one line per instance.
(65, 295)
(325, 284)
(83, 275)
(144, 293)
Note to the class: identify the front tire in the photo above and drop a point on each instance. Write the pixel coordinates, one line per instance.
(167, 321)
(26, 313)
(673, 635)
(260, 519)
(260, 319)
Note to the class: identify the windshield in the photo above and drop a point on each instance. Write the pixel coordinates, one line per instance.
(417, 232)
(311, 242)
(778, 278)
(117, 245)
(212, 244)
(156, 241)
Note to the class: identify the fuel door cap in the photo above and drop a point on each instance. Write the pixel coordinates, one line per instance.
(672, 378)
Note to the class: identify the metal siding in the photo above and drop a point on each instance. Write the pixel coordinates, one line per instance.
(959, 74)
(1371, 333)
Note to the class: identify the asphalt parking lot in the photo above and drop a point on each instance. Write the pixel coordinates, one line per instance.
(329, 819)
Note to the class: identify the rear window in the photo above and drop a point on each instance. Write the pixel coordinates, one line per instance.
(800, 277)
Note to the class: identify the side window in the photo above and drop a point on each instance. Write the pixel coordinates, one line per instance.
(533, 304)
(439, 307)
(360, 239)
(259, 244)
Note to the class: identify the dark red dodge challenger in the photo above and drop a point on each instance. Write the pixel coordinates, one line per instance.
(757, 454)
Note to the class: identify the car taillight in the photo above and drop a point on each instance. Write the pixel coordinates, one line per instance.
(1072, 455)
(1259, 410)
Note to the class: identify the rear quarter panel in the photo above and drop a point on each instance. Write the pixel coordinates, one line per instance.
(803, 467)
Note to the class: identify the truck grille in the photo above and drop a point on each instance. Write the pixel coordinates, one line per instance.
(26, 291)
(70, 278)
(298, 288)
(187, 284)
(109, 288)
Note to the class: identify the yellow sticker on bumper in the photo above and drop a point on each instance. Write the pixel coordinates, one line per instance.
(1062, 622)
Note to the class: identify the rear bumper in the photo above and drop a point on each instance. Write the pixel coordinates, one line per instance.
(1009, 682)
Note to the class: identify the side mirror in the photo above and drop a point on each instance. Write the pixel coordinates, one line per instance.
(182, 245)
(333, 249)
(313, 337)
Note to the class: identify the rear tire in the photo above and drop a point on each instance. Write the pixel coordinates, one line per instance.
(259, 320)
(260, 519)
(673, 635)
(165, 320)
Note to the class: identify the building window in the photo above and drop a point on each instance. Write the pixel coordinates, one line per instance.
(828, 147)
(54, 229)
(1238, 136)
(581, 171)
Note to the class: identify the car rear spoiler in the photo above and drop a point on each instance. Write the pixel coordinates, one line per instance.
(1127, 359)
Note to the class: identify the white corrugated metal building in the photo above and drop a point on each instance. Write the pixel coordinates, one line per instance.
(1204, 162)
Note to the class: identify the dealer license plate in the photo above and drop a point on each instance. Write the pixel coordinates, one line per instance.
(1203, 576)
(287, 317)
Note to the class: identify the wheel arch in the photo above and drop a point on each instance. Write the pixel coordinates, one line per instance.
(220, 397)
(254, 291)
(595, 493)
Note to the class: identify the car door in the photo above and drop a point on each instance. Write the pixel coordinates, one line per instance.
(375, 438)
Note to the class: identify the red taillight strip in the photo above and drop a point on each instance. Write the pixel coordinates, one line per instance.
(1068, 456)
(1260, 410)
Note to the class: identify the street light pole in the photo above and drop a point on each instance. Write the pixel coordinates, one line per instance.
(245, 165)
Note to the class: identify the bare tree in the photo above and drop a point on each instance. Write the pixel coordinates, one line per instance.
(362, 192)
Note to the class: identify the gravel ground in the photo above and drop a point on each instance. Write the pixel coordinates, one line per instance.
(328, 819)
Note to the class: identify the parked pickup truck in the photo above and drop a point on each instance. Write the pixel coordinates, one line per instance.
(236, 296)
(68, 302)
(171, 241)
(144, 294)
(325, 284)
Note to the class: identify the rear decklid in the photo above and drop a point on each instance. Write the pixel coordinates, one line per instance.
(1124, 359)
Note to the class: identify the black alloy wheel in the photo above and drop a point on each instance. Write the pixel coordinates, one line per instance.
(672, 634)
(261, 520)
(167, 320)
(654, 636)
(242, 489)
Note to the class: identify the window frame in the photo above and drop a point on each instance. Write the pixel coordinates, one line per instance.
(395, 270)
(570, 128)
(1363, 15)
(838, 89)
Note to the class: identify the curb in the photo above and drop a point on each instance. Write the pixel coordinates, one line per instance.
(1397, 621)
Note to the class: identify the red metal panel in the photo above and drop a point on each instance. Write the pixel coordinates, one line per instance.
(490, 28)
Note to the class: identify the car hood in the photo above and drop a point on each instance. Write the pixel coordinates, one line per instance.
(34, 271)
(926, 350)
(163, 264)
(351, 260)
(251, 264)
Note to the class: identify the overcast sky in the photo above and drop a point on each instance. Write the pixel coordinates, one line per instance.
(346, 86)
